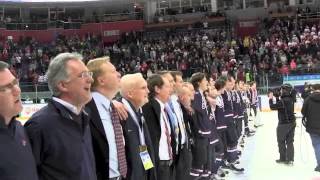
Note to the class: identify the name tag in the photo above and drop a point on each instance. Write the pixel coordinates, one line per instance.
(145, 158)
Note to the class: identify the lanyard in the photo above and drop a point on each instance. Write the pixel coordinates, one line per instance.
(135, 119)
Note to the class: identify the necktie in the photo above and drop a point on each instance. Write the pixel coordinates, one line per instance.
(119, 142)
(172, 119)
(167, 133)
(182, 127)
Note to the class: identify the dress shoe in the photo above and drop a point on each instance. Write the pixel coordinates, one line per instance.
(280, 161)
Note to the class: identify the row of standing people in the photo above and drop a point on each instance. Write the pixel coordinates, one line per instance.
(161, 128)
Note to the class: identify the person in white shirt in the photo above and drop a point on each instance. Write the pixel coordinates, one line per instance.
(107, 136)
(158, 122)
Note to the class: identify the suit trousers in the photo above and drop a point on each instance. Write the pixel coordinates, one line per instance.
(165, 172)
(183, 165)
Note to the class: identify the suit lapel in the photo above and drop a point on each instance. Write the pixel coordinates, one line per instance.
(157, 109)
(95, 117)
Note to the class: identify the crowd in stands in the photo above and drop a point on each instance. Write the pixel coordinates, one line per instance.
(288, 47)
(29, 59)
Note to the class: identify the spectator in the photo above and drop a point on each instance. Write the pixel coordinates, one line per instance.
(63, 122)
(107, 135)
(162, 136)
(310, 114)
(134, 92)
(17, 161)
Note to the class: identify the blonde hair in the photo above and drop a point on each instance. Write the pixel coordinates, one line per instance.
(129, 82)
(183, 90)
(94, 65)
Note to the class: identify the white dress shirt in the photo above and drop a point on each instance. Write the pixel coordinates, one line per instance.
(178, 111)
(103, 106)
(67, 105)
(163, 144)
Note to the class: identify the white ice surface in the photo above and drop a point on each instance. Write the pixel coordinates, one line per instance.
(261, 151)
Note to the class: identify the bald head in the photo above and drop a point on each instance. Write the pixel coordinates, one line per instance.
(133, 87)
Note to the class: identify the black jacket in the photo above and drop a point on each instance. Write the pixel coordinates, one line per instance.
(285, 108)
(152, 112)
(99, 142)
(306, 93)
(135, 167)
(61, 144)
(310, 110)
(16, 159)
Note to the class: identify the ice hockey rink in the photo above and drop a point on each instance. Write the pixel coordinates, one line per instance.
(261, 151)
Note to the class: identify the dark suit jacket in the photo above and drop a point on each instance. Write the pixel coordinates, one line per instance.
(99, 142)
(152, 112)
(135, 167)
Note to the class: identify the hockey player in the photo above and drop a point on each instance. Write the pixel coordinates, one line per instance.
(200, 163)
(231, 132)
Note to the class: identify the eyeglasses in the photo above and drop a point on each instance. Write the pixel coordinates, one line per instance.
(86, 74)
(9, 87)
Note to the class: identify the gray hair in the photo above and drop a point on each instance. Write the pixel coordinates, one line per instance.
(57, 70)
(3, 65)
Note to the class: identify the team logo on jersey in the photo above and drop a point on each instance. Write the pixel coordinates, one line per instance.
(229, 96)
(219, 102)
(212, 116)
(204, 104)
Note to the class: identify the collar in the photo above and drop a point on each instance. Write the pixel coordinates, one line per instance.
(199, 91)
(138, 112)
(3, 124)
(67, 105)
(174, 97)
(101, 99)
(131, 105)
(64, 111)
(161, 103)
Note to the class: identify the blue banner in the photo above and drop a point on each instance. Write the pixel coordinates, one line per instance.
(301, 79)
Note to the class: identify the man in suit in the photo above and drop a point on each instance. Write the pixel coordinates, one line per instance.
(106, 130)
(140, 153)
(59, 133)
(157, 120)
(183, 164)
(17, 161)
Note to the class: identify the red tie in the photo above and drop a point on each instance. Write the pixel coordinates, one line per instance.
(119, 142)
(167, 133)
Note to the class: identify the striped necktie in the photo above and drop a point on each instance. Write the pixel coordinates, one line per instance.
(167, 133)
(119, 141)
